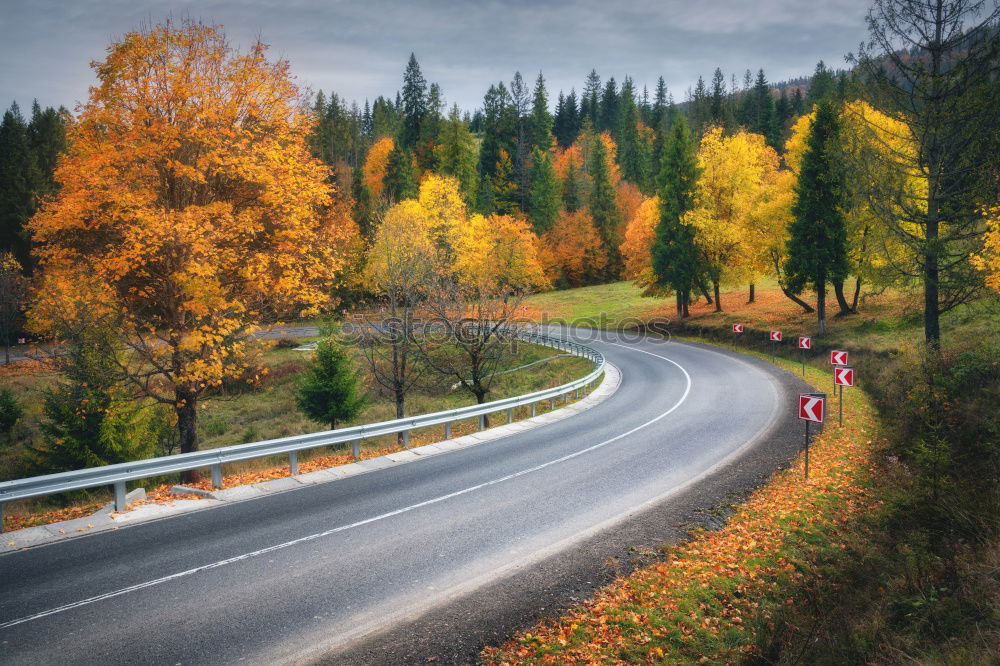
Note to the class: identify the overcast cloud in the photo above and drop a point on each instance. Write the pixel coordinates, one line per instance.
(359, 49)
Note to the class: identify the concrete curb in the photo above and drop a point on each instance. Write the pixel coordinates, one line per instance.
(106, 519)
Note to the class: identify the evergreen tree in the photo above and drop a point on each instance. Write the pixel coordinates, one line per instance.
(631, 156)
(20, 179)
(718, 99)
(573, 188)
(363, 211)
(430, 129)
(457, 154)
(700, 108)
(590, 100)
(11, 411)
(89, 420)
(674, 253)
(414, 104)
(545, 199)
(47, 131)
(797, 103)
(659, 105)
(506, 200)
(499, 129)
(399, 182)
(540, 123)
(603, 208)
(328, 391)
(609, 107)
(817, 243)
(822, 84)
(366, 121)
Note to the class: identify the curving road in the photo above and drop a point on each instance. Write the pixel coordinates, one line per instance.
(291, 577)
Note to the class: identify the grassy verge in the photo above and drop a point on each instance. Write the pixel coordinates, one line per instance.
(707, 600)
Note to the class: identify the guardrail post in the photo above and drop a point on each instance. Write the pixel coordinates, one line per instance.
(356, 448)
(1, 516)
(406, 439)
(510, 415)
(120, 496)
(217, 475)
(293, 462)
(532, 410)
(552, 404)
(447, 430)
(482, 421)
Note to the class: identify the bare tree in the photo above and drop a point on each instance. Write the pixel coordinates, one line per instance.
(933, 65)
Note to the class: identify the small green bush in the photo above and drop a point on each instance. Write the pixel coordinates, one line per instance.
(10, 411)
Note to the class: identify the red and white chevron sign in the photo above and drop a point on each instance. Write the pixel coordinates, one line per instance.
(843, 376)
(805, 343)
(812, 407)
(838, 358)
(737, 328)
(775, 336)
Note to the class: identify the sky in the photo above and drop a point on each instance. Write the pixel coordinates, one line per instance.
(359, 48)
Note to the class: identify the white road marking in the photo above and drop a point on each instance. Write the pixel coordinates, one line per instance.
(383, 516)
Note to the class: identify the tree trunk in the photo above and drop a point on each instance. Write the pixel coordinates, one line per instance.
(932, 324)
(687, 302)
(753, 296)
(400, 400)
(806, 308)
(718, 300)
(821, 307)
(704, 291)
(186, 407)
(680, 305)
(838, 290)
(857, 293)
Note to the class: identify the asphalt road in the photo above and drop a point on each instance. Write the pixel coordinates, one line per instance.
(294, 576)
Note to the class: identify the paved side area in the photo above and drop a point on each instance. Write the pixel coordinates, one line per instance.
(108, 519)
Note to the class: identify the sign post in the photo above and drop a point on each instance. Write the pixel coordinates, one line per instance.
(812, 409)
(842, 377)
(837, 358)
(804, 344)
(737, 329)
(775, 338)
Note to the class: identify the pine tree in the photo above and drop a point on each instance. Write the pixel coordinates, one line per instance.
(700, 111)
(718, 98)
(414, 104)
(763, 119)
(498, 127)
(540, 123)
(674, 253)
(328, 390)
(545, 199)
(430, 128)
(659, 105)
(399, 182)
(603, 208)
(817, 243)
(822, 84)
(573, 188)
(363, 211)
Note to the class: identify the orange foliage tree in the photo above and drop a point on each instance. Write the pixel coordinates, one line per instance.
(637, 248)
(377, 164)
(572, 251)
(190, 209)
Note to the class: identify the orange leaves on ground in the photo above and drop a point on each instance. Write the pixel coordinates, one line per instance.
(572, 251)
(700, 604)
(376, 165)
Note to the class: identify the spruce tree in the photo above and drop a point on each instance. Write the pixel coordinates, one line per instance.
(414, 104)
(609, 107)
(399, 182)
(540, 122)
(545, 198)
(573, 188)
(19, 181)
(328, 391)
(817, 243)
(603, 208)
(822, 84)
(631, 156)
(590, 99)
(718, 98)
(498, 127)
(674, 253)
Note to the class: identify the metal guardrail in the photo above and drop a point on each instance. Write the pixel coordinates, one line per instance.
(117, 475)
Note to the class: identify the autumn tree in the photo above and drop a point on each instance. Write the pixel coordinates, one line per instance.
(191, 208)
(573, 252)
(988, 260)
(377, 165)
(933, 66)
(817, 244)
(637, 248)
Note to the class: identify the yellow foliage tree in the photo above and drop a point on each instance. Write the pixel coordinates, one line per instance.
(190, 206)
(736, 173)
(988, 260)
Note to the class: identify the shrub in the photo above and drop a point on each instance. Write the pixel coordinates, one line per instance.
(10, 411)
